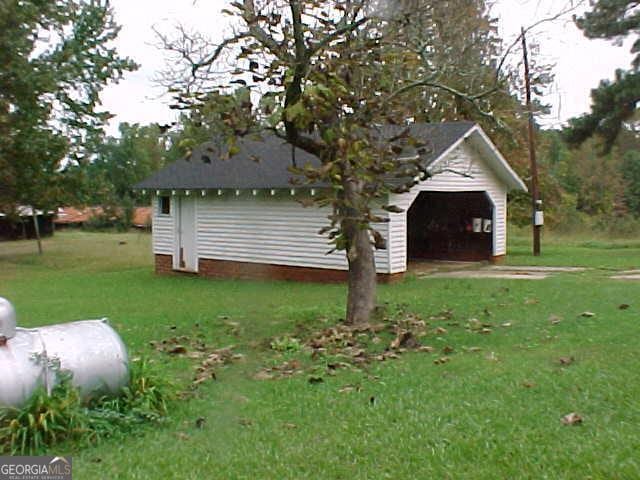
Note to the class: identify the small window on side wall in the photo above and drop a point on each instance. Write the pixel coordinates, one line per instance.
(165, 205)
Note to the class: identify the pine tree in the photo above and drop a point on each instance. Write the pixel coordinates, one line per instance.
(613, 102)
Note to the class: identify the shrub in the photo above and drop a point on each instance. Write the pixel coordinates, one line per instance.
(619, 226)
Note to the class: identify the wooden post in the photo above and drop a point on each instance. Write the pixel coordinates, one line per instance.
(536, 218)
(36, 227)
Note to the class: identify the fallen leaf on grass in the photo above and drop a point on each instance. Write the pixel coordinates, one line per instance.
(245, 422)
(492, 357)
(476, 325)
(289, 426)
(531, 301)
(285, 369)
(386, 355)
(177, 350)
(332, 367)
(472, 349)
(182, 436)
(623, 306)
(571, 419)
(263, 375)
(404, 339)
(426, 349)
(200, 421)
(203, 376)
(442, 360)
(353, 352)
(233, 328)
(440, 331)
(506, 324)
(528, 384)
(448, 350)
(485, 331)
(587, 314)
(349, 389)
(443, 315)
(315, 379)
(566, 360)
(554, 319)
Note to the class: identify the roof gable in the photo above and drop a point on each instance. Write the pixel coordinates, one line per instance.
(490, 154)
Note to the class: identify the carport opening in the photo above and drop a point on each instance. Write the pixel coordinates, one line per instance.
(450, 226)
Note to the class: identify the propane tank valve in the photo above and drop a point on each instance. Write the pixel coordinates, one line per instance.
(7, 320)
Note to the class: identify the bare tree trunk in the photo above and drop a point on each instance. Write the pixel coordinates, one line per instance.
(361, 297)
(36, 227)
(361, 300)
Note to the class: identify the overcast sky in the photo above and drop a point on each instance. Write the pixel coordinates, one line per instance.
(580, 63)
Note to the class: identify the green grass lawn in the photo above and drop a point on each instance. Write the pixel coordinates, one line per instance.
(491, 412)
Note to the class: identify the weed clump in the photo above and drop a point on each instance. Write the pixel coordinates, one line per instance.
(47, 420)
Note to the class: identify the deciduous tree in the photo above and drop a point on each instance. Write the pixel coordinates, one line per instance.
(323, 76)
(56, 57)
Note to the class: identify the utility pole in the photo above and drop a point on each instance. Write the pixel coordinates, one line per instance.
(36, 228)
(537, 216)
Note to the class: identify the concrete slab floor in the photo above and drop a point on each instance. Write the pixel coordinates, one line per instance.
(426, 267)
(536, 268)
(486, 273)
(485, 270)
(626, 277)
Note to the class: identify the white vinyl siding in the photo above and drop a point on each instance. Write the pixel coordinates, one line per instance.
(163, 232)
(269, 230)
(461, 171)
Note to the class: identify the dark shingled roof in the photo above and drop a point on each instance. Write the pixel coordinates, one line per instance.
(263, 163)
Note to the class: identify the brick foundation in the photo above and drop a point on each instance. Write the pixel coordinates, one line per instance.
(260, 271)
(498, 259)
(164, 264)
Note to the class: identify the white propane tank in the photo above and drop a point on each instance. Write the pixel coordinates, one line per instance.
(89, 349)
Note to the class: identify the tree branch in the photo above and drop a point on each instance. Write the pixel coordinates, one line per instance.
(308, 144)
(217, 52)
(251, 19)
(336, 34)
(531, 27)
